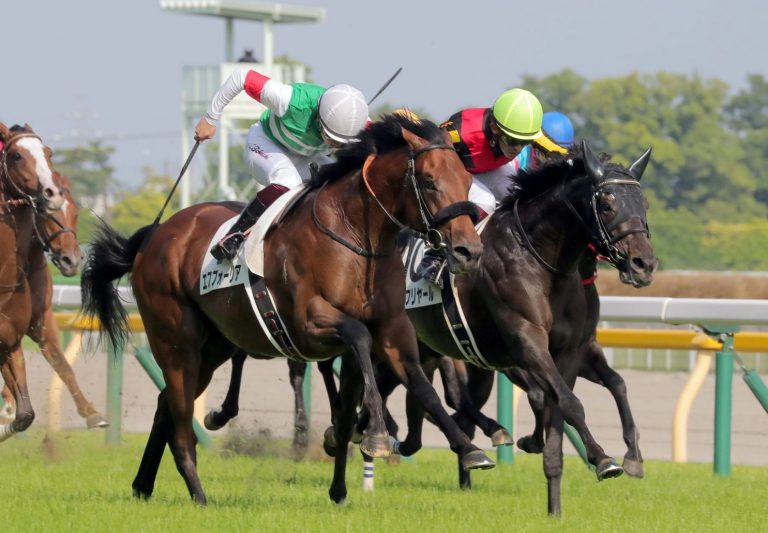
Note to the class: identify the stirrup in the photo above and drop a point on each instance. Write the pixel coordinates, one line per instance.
(431, 269)
(228, 246)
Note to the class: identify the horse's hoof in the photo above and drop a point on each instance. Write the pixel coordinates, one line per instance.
(608, 468)
(329, 442)
(634, 468)
(375, 445)
(96, 421)
(394, 445)
(338, 499)
(210, 421)
(356, 437)
(476, 459)
(529, 445)
(141, 495)
(501, 437)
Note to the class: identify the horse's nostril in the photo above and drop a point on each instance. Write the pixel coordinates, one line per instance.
(638, 263)
(463, 252)
(66, 261)
(49, 193)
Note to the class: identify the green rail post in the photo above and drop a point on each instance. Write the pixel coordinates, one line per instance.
(114, 394)
(575, 439)
(150, 366)
(757, 386)
(504, 454)
(723, 400)
(723, 408)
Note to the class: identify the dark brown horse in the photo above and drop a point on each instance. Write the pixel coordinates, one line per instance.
(56, 237)
(27, 191)
(518, 305)
(335, 275)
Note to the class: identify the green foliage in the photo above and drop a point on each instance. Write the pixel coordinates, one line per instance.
(89, 169)
(708, 176)
(139, 208)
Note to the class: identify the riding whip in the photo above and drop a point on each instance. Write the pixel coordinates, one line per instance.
(383, 87)
(170, 194)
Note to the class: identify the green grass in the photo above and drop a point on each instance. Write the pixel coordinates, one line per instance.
(79, 484)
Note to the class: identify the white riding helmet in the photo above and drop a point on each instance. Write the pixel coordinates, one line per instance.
(343, 112)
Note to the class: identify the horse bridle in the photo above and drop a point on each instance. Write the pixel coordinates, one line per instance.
(46, 240)
(20, 196)
(431, 234)
(600, 235)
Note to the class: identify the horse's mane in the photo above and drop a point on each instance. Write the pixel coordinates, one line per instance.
(528, 184)
(382, 136)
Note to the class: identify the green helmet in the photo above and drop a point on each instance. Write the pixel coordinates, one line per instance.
(518, 114)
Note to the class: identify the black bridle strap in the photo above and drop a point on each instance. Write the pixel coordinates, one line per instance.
(455, 210)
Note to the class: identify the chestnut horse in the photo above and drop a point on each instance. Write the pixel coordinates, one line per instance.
(333, 269)
(56, 237)
(27, 190)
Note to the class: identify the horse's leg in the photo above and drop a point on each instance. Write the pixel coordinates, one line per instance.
(162, 427)
(344, 416)
(296, 372)
(326, 321)
(15, 377)
(396, 342)
(46, 335)
(596, 369)
(553, 458)
(540, 365)
(9, 409)
(533, 443)
(218, 418)
(456, 372)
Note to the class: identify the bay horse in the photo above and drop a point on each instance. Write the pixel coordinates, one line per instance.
(27, 190)
(333, 269)
(519, 304)
(56, 238)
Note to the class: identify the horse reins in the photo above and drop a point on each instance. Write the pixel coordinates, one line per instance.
(603, 236)
(431, 234)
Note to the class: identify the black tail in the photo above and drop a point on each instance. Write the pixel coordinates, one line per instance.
(109, 258)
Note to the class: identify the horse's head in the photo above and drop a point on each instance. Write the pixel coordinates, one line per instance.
(26, 169)
(441, 210)
(57, 232)
(619, 208)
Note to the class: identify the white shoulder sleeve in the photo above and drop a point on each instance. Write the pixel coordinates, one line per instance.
(276, 96)
(231, 88)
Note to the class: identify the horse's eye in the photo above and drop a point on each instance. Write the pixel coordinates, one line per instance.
(16, 156)
(428, 184)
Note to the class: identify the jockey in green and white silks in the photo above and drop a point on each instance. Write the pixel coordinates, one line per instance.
(302, 124)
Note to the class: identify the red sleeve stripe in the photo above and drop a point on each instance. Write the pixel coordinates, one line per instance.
(254, 84)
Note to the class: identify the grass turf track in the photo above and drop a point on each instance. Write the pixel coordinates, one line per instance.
(77, 483)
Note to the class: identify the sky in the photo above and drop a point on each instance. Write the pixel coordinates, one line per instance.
(84, 69)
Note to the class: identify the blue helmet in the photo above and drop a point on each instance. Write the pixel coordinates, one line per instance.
(558, 127)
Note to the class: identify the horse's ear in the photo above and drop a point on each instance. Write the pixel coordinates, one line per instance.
(5, 133)
(413, 140)
(591, 162)
(28, 128)
(638, 167)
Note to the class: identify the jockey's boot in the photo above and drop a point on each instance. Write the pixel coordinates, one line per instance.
(431, 266)
(228, 246)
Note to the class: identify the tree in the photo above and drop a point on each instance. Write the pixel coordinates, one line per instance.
(90, 171)
(139, 208)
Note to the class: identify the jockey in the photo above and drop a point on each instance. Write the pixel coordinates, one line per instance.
(487, 141)
(302, 123)
(556, 138)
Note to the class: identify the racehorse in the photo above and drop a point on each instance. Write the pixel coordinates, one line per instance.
(519, 304)
(27, 190)
(56, 237)
(335, 275)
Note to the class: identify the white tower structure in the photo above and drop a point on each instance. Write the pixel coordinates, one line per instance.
(200, 83)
